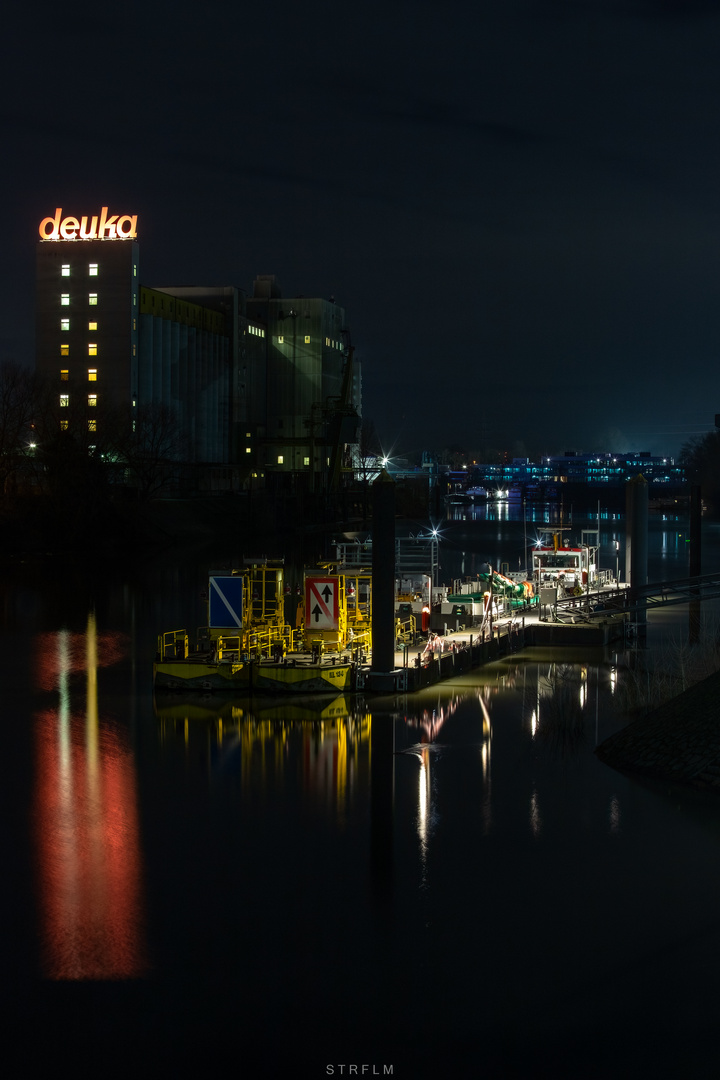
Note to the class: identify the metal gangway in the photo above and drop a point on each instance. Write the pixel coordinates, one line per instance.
(603, 602)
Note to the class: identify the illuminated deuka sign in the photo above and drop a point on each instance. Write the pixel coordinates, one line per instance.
(102, 228)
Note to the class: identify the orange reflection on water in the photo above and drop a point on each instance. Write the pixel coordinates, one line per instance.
(87, 833)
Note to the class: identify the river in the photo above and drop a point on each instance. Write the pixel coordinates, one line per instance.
(449, 882)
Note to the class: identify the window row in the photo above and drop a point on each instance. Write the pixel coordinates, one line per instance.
(65, 299)
(257, 330)
(65, 325)
(65, 375)
(92, 300)
(65, 400)
(281, 459)
(281, 339)
(93, 270)
(91, 425)
(92, 349)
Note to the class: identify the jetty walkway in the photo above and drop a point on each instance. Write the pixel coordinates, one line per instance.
(460, 651)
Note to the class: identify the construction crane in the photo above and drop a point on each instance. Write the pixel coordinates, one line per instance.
(343, 419)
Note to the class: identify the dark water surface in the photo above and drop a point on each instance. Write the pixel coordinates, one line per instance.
(444, 884)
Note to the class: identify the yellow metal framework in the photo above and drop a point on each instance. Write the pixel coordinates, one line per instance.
(263, 633)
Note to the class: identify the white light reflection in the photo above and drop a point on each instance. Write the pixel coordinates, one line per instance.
(65, 761)
(535, 819)
(424, 805)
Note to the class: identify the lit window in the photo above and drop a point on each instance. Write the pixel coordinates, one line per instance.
(92, 299)
(327, 340)
(92, 425)
(64, 401)
(65, 270)
(63, 425)
(134, 324)
(64, 375)
(64, 324)
(307, 339)
(92, 326)
(92, 374)
(93, 270)
(306, 461)
(281, 340)
(92, 349)
(281, 459)
(248, 450)
(64, 350)
(134, 269)
(134, 350)
(65, 299)
(134, 299)
(92, 400)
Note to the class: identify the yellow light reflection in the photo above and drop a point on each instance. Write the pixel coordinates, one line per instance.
(342, 769)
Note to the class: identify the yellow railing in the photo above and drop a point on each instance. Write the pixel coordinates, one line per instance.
(173, 645)
(254, 644)
(405, 630)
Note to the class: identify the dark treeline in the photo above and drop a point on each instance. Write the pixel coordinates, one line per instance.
(69, 460)
(701, 458)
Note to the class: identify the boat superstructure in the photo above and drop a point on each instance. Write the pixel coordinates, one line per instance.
(556, 563)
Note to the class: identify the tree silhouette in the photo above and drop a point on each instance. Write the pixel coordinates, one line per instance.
(150, 446)
(700, 457)
(18, 398)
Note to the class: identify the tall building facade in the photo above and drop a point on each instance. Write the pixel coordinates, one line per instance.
(259, 386)
(87, 313)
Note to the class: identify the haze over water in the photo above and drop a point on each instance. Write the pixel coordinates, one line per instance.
(449, 881)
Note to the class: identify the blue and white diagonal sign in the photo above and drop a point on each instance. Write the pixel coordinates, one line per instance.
(226, 601)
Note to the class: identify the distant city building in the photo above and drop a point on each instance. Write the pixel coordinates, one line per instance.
(602, 471)
(260, 386)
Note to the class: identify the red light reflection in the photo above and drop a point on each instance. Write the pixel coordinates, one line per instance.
(89, 859)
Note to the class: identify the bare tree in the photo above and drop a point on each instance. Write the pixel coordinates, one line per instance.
(701, 458)
(151, 445)
(368, 451)
(18, 401)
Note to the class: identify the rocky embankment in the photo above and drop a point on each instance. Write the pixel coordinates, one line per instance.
(678, 742)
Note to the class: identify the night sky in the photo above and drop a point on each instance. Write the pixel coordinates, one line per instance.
(516, 203)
